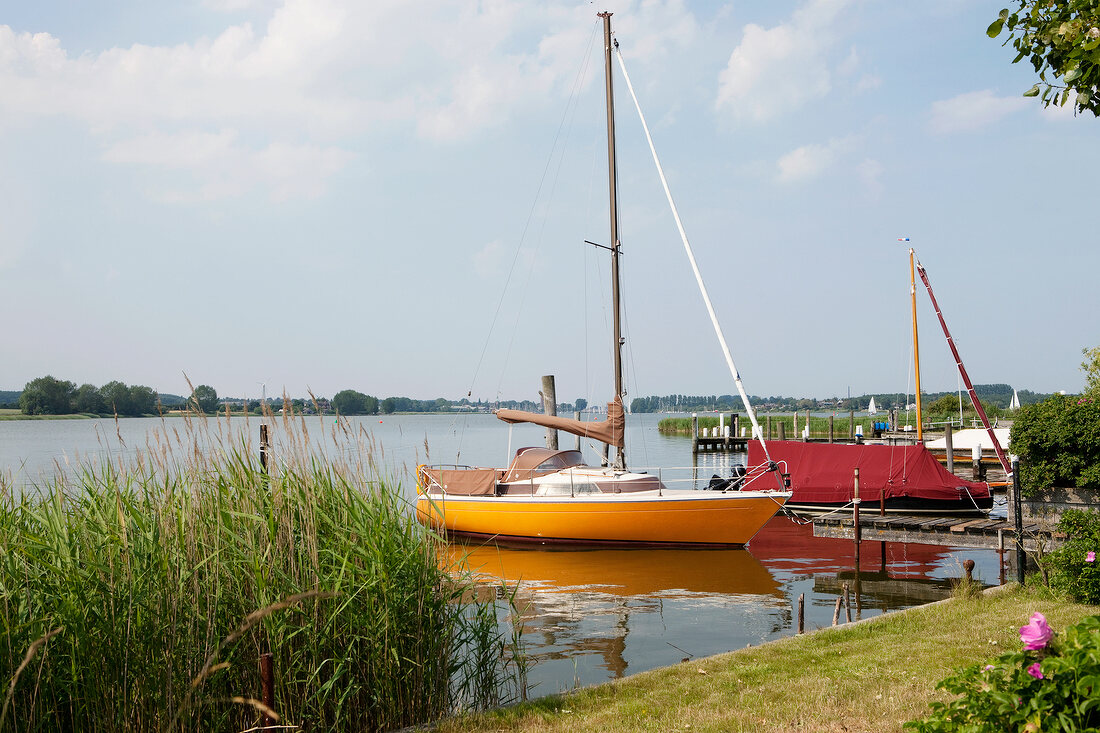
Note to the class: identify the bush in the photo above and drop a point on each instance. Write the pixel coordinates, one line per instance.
(1058, 442)
(1052, 684)
(1074, 566)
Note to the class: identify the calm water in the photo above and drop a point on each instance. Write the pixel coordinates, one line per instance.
(591, 615)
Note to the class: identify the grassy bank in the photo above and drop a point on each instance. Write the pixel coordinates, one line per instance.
(819, 426)
(872, 676)
(140, 595)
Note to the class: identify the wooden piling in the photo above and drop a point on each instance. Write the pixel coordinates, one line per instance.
(265, 446)
(577, 417)
(550, 407)
(948, 439)
(267, 678)
(836, 611)
(782, 430)
(1021, 558)
(801, 612)
(851, 426)
(847, 605)
(768, 422)
(694, 434)
(855, 513)
(830, 428)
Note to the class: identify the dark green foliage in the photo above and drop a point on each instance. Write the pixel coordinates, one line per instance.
(1071, 571)
(350, 402)
(88, 399)
(205, 399)
(47, 396)
(1058, 442)
(1061, 40)
(1003, 696)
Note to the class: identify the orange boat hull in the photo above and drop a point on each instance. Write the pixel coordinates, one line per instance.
(684, 518)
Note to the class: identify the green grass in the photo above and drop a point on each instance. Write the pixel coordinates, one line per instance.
(139, 596)
(819, 426)
(872, 676)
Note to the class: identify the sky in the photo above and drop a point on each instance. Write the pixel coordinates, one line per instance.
(290, 195)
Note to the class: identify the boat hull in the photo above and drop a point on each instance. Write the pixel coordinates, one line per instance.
(680, 518)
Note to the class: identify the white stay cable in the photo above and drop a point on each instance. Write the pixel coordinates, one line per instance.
(756, 431)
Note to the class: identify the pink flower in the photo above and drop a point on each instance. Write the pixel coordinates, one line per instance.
(989, 667)
(1090, 556)
(1035, 672)
(1037, 633)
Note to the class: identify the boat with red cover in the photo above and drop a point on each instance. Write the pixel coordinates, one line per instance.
(907, 477)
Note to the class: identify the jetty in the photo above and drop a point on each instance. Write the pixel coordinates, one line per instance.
(987, 533)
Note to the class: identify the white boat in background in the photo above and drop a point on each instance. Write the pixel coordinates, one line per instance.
(871, 409)
(1015, 403)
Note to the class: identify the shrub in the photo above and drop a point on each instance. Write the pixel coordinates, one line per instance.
(1058, 441)
(1074, 566)
(1052, 684)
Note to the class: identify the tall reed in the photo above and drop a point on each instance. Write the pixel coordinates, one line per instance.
(139, 594)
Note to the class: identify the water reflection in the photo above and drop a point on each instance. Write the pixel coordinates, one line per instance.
(594, 615)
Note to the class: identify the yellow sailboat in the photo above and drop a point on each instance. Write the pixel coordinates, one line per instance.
(552, 497)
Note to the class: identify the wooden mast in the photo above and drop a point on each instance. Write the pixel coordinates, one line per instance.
(612, 180)
(916, 347)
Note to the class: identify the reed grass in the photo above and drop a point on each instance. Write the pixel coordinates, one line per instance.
(139, 594)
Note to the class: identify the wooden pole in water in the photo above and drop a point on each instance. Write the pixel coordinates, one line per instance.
(801, 612)
(851, 426)
(769, 430)
(830, 428)
(550, 407)
(836, 610)
(577, 417)
(855, 513)
(265, 447)
(949, 440)
(694, 434)
(847, 605)
(1017, 505)
(782, 430)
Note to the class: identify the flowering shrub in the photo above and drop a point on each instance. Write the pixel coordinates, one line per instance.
(1052, 684)
(1073, 567)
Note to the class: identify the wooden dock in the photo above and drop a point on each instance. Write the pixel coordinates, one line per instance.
(983, 533)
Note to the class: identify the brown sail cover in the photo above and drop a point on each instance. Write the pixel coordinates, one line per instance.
(608, 431)
(465, 481)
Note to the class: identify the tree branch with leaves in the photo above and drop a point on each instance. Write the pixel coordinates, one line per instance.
(1061, 39)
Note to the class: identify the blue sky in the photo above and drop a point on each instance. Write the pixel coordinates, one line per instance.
(393, 198)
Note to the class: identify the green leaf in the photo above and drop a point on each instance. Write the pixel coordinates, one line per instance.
(995, 27)
(1083, 99)
(1033, 92)
(1003, 14)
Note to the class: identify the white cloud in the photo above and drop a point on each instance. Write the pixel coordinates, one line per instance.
(810, 161)
(971, 111)
(778, 69)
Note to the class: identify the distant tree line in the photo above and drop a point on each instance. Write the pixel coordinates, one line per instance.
(994, 395)
(50, 396)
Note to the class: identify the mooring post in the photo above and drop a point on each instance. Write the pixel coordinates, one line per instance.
(267, 677)
(550, 407)
(847, 605)
(265, 447)
(768, 421)
(577, 417)
(836, 610)
(855, 513)
(976, 460)
(801, 612)
(1017, 505)
(948, 439)
(782, 430)
(830, 428)
(694, 434)
(851, 426)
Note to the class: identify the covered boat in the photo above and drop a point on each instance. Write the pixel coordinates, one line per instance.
(908, 477)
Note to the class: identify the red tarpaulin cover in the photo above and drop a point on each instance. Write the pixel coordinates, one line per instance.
(822, 473)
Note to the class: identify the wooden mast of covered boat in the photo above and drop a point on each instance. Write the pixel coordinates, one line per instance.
(612, 185)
